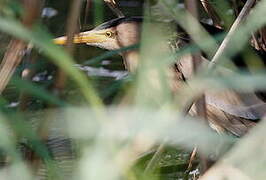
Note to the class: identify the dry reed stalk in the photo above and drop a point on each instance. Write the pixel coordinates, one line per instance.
(244, 12)
(192, 158)
(72, 25)
(11, 60)
(16, 47)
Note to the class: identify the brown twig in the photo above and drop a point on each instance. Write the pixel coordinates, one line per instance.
(11, 60)
(71, 30)
(192, 158)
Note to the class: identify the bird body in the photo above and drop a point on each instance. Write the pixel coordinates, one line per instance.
(227, 110)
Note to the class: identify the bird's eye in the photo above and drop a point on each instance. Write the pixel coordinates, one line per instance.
(109, 34)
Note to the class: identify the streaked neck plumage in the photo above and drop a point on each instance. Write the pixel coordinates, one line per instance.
(131, 60)
(128, 35)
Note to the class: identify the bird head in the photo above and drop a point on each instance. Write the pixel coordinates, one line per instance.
(111, 35)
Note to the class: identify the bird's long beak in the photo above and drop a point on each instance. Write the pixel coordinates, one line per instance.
(83, 37)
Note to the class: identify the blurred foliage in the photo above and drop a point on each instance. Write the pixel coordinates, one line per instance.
(100, 125)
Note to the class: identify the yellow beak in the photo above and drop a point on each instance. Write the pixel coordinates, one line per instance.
(84, 37)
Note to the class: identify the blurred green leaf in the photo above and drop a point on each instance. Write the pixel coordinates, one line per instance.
(37, 91)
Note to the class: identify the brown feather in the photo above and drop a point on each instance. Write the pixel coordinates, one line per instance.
(227, 110)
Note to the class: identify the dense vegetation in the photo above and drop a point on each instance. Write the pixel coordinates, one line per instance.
(74, 112)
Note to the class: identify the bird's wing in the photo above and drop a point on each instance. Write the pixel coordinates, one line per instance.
(224, 122)
(243, 105)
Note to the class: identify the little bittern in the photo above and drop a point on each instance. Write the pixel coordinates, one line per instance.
(112, 35)
(228, 110)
